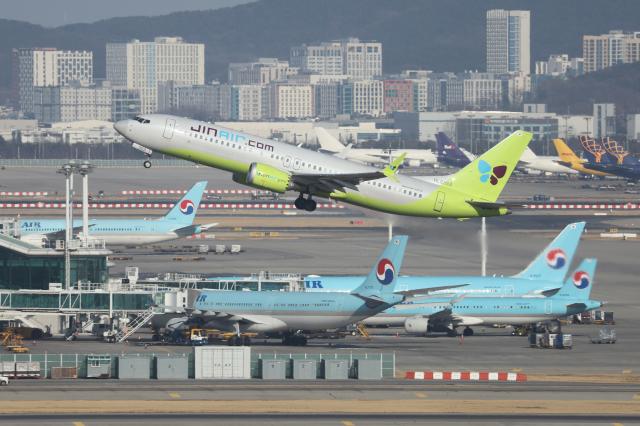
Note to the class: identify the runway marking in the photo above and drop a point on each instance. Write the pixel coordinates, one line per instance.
(627, 371)
(617, 424)
(78, 424)
(347, 423)
(174, 395)
(516, 370)
(421, 394)
(636, 396)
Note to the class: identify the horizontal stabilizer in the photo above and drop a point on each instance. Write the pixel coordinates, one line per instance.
(489, 206)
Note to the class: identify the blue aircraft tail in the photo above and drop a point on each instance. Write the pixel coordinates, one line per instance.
(552, 264)
(449, 153)
(618, 153)
(578, 285)
(594, 152)
(184, 211)
(383, 277)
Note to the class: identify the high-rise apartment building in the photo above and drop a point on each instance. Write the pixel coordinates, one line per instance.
(508, 41)
(47, 67)
(605, 50)
(352, 57)
(143, 65)
(248, 102)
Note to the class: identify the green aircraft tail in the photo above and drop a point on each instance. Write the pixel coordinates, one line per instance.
(485, 178)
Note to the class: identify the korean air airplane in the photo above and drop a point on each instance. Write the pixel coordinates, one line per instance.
(445, 314)
(177, 223)
(544, 275)
(290, 312)
(280, 167)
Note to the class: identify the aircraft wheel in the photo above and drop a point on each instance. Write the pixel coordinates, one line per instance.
(300, 203)
(310, 205)
(147, 164)
(467, 332)
(246, 341)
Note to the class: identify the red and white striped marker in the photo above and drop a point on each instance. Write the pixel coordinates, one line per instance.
(466, 376)
(184, 191)
(565, 206)
(210, 206)
(23, 194)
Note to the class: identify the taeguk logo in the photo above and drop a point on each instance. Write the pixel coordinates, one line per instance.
(385, 271)
(581, 280)
(187, 207)
(492, 175)
(556, 258)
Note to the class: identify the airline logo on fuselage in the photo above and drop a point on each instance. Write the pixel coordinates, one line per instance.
(231, 137)
(27, 225)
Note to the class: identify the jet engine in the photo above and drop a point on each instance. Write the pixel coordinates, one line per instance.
(263, 176)
(416, 325)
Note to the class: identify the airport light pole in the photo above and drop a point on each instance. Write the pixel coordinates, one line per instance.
(84, 169)
(67, 170)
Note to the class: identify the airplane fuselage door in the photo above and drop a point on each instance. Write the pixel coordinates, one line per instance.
(439, 201)
(169, 126)
(547, 306)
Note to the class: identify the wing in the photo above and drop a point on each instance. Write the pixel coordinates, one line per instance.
(329, 182)
(59, 235)
(429, 290)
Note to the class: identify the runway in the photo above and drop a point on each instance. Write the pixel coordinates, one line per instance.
(340, 403)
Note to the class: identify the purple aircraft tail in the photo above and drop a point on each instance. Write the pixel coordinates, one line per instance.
(449, 153)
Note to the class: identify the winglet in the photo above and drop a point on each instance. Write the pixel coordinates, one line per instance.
(393, 167)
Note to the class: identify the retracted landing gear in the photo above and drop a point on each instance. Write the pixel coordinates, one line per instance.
(307, 204)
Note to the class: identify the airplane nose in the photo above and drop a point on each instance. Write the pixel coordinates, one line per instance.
(121, 127)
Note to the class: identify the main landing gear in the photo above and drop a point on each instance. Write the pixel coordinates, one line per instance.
(294, 340)
(467, 332)
(307, 204)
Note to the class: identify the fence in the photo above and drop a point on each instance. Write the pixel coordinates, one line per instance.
(79, 361)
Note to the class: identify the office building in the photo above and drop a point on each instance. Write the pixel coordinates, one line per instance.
(398, 95)
(46, 67)
(201, 101)
(125, 103)
(508, 41)
(483, 91)
(263, 71)
(292, 101)
(604, 120)
(71, 103)
(352, 57)
(144, 65)
(248, 102)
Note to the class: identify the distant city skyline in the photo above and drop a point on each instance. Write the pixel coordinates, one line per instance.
(63, 12)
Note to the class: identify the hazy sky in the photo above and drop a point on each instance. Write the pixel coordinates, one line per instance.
(53, 13)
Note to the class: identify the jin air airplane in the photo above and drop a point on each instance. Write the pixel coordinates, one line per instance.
(177, 223)
(280, 167)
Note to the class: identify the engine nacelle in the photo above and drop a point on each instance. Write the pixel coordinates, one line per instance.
(263, 176)
(416, 325)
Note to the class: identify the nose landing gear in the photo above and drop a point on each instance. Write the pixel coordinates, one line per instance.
(147, 164)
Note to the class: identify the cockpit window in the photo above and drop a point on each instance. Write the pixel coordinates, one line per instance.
(142, 120)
